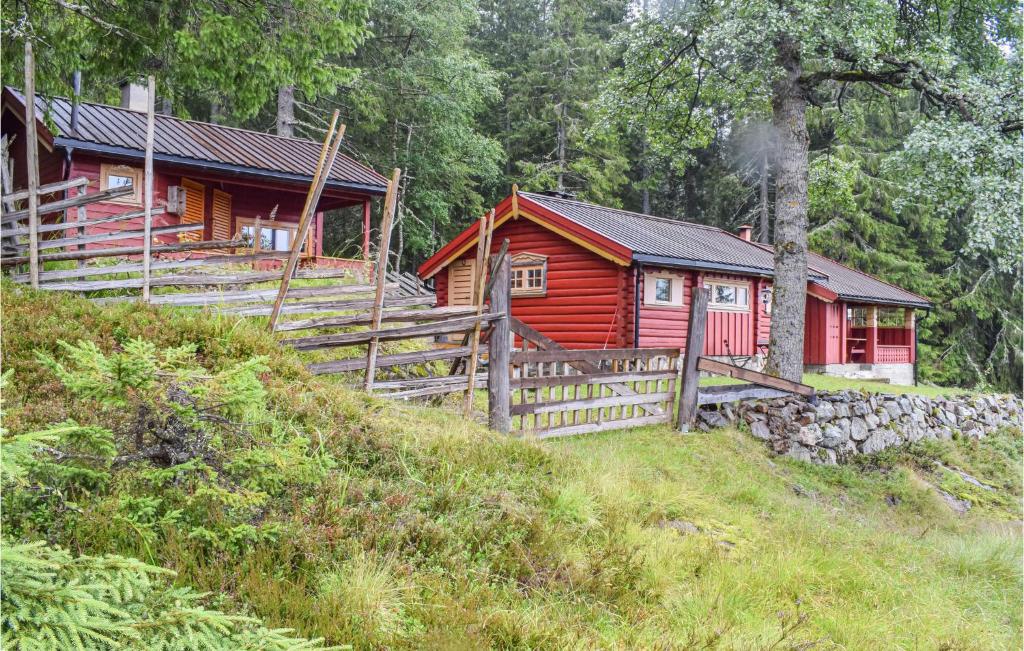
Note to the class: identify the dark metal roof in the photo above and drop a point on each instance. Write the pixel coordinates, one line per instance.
(857, 286)
(115, 130)
(657, 240)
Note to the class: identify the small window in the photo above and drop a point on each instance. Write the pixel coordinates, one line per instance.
(729, 296)
(122, 176)
(663, 289)
(857, 316)
(273, 236)
(529, 274)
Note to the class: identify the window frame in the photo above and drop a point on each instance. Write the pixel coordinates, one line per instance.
(292, 227)
(522, 264)
(651, 279)
(853, 318)
(711, 283)
(117, 169)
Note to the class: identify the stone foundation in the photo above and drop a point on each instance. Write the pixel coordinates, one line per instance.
(900, 374)
(847, 423)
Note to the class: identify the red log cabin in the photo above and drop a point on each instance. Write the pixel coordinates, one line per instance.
(222, 177)
(595, 277)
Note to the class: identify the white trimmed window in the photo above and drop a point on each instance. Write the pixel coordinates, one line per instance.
(728, 295)
(268, 236)
(663, 290)
(529, 274)
(120, 176)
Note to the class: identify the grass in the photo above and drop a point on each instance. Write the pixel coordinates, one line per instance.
(387, 525)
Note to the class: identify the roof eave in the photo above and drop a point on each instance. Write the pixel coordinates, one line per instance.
(185, 161)
(855, 298)
(686, 263)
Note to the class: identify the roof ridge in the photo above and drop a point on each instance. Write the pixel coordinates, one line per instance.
(667, 220)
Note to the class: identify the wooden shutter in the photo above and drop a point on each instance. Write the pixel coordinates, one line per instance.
(195, 209)
(221, 215)
(460, 282)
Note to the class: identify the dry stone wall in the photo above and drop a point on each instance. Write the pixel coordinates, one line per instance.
(846, 423)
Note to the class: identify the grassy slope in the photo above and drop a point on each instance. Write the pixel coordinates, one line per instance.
(427, 531)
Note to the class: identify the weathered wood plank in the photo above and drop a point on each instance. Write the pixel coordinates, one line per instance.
(73, 202)
(400, 359)
(416, 382)
(434, 314)
(390, 205)
(329, 306)
(601, 426)
(209, 297)
(714, 395)
(68, 226)
(687, 410)
(593, 355)
(590, 378)
(721, 368)
(120, 235)
(591, 403)
(123, 251)
(319, 342)
(205, 261)
(434, 390)
(32, 166)
(49, 188)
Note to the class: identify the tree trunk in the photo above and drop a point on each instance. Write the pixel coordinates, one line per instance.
(645, 168)
(762, 227)
(789, 106)
(561, 147)
(286, 111)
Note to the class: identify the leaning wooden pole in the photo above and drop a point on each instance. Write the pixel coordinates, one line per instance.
(390, 204)
(484, 258)
(499, 352)
(322, 171)
(147, 239)
(687, 412)
(32, 156)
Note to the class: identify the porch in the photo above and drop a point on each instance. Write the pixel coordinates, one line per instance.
(878, 335)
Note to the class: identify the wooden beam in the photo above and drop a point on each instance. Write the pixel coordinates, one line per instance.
(714, 395)
(695, 331)
(589, 428)
(312, 197)
(181, 247)
(49, 188)
(148, 187)
(763, 379)
(206, 261)
(591, 403)
(64, 204)
(208, 297)
(590, 355)
(390, 205)
(119, 235)
(499, 345)
(32, 156)
(590, 378)
(320, 342)
(412, 316)
(483, 258)
(77, 225)
(401, 359)
(328, 306)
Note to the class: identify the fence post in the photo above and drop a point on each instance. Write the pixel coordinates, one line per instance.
(687, 410)
(32, 156)
(147, 238)
(498, 350)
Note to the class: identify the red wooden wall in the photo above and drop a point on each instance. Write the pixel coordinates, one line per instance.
(663, 326)
(586, 302)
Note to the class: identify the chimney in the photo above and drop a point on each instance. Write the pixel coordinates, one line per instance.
(744, 232)
(134, 96)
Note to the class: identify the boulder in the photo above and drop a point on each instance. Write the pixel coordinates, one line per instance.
(892, 408)
(872, 421)
(810, 434)
(825, 412)
(833, 437)
(879, 441)
(713, 419)
(859, 428)
(759, 429)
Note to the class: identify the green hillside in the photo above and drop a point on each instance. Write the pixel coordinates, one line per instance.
(209, 451)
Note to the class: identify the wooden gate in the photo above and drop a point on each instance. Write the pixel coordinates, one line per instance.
(563, 392)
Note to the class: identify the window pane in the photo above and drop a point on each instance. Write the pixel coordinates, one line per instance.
(724, 294)
(534, 279)
(517, 278)
(663, 290)
(741, 296)
(282, 239)
(119, 181)
(248, 233)
(266, 238)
